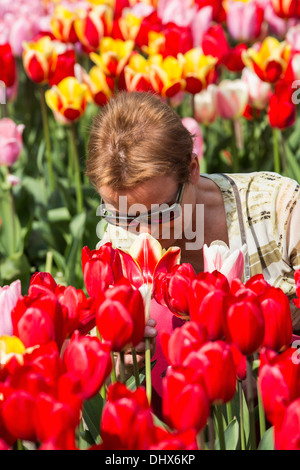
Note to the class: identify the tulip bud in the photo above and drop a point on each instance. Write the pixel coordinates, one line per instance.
(205, 104)
(10, 141)
(259, 91)
(68, 100)
(244, 20)
(232, 98)
(7, 65)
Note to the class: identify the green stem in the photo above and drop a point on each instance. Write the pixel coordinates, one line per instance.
(229, 412)
(49, 260)
(211, 431)
(13, 215)
(220, 428)
(261, 413)
(148, 369)
(76, 169)
(242, 427)
(251, 404)
(47, 139)
(135, 368)
(201, 440)
(113, 370)
(122, 366)
(103, 392)
(276, 155)
(234, 149)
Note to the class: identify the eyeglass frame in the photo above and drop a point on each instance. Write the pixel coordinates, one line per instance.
(141, 218)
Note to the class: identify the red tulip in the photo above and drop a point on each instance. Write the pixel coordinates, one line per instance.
(7, 65)
(214, 360)
(215, 43)
(287, 433)
(278, 322)
(185, 401)
(146, 253)
(206, 307)
(100, 268)
(172, 289)
(286, 8)
(63, 66)
(282, 110)
(38, 319)
(219, 13)
(279, 381)
(54, 423)
(120, 317)
(89, 360)
(126, 422)
(244, 322)
(178, 345)
(240, 362)
(297, 281)
(17, 413)
(174, 441)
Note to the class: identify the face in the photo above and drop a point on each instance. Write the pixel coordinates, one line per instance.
(156, 206)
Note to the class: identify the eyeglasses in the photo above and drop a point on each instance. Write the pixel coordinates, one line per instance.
(160, 216)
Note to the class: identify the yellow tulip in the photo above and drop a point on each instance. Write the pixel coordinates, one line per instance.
(92, 25)
(138, 74)
(9, 346)
(167, 75)
(198, 69)
(38, 57)
(114, 55)
(68, 99)
(129, 26)
(270, 61)
(101, 87)
(62, 24)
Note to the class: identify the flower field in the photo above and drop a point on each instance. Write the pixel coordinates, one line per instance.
(69, 311)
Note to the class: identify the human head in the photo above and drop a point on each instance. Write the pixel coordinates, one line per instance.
(134, 138)
(140, 149)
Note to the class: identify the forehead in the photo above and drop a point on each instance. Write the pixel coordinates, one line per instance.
(157, 190)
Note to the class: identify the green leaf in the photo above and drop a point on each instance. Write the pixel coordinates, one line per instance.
(92, 412)
(231, 436)
(267, 441)
(10, 234)
(59, 214)
(77, 225)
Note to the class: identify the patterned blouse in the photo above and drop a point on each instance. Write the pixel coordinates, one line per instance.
(263, 211)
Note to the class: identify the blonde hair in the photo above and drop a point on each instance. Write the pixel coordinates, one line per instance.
(134, 138)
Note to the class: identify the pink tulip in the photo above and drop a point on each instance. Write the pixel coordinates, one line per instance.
(193, 127)
(277, 26)
(293, 38)
(8, 299)
(296, 66)
(201, 23)
(179, 12)
(259, 91)
(218, 257)
(205, 104)
(232, 98)
(10, 141)
(244, 20)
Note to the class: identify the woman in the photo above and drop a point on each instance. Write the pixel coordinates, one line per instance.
(141, 156)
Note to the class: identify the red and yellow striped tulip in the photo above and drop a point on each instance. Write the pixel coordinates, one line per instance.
(67, 100)
(92, 25)
(129, 26)
(101, 86)
(138, 75)
(10, 346)
(167, 75)
(38, 59)
(270, 61)
(198, 69)
(63, 24)
(114, 55)
(286, 8)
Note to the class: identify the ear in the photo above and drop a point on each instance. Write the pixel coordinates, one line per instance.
(194, 169)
